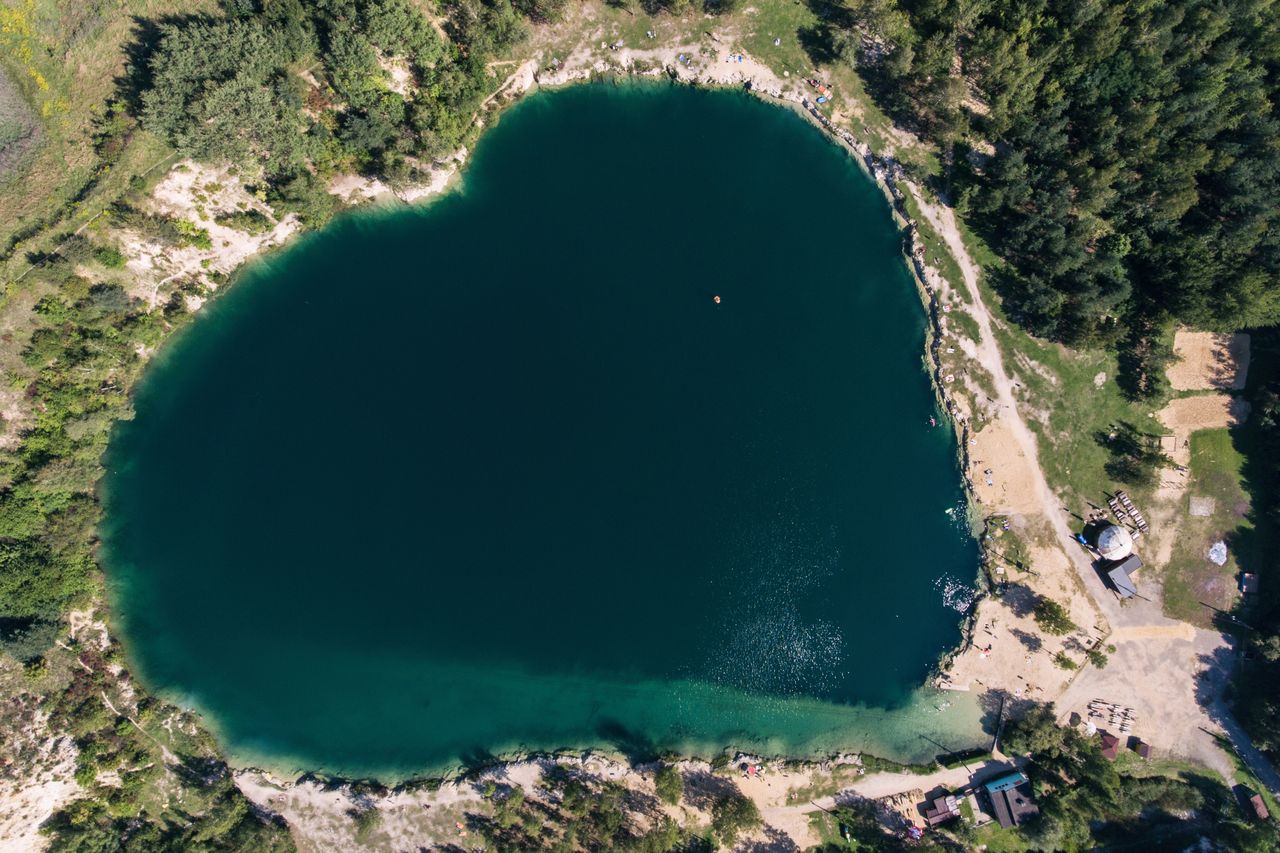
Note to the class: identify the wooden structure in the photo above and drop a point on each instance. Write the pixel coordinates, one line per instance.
(942, 809)
(1259, 807)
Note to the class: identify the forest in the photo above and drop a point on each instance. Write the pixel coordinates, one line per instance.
(1122, 158)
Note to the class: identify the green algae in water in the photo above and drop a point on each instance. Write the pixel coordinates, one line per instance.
(500, 475)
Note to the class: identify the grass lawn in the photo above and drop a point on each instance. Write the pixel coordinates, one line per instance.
(1191, 581)
(1063, 402)
(994, 838)
(1065, 406)
(841, 777)
(66, 58)
(760, 26)
(1244, 777)
(827, 828)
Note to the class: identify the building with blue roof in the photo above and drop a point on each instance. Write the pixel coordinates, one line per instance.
(1011, 799)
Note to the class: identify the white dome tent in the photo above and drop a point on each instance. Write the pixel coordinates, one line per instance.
(1114, 543)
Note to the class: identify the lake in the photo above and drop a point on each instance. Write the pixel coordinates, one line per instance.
(500, 474)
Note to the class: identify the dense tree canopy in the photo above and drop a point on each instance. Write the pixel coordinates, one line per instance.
(285, 88)
(1132, 149)
(1258, 693)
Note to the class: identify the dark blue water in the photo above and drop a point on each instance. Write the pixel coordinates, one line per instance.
(500, 474)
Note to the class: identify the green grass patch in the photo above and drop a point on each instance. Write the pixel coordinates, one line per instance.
(1245, 777)
(1003, 548)
(66, 57)
(1191, 581)
(827, 785)
(996, 839)
(936, 252)
(963, 324)
(968, 758)
(1069, 410)
(1064, 403)
(827, 828)
(764, 23)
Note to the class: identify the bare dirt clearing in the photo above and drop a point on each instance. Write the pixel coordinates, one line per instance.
(1209, 411)
(1208, 361)
(198, 194)
(1003, 481)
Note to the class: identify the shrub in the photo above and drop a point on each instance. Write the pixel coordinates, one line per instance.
(1064, 662)
(249, 221)
(193, 235)
(109, 257)
(367, 821)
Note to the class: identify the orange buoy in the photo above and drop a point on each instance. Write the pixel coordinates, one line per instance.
(717, 299)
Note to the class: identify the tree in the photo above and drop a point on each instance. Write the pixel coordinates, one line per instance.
(732, 815)
(1136, 457)
(669, 784)
(1052, 617)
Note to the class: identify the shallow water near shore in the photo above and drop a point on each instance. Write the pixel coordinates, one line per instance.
(499, 474)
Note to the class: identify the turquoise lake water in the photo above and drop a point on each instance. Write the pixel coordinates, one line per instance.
(498, 474)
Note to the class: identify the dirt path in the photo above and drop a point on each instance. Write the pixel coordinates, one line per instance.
(794, 819)
(943, 220)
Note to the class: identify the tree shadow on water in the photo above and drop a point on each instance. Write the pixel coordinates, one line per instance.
(635, 747)
(476, 761)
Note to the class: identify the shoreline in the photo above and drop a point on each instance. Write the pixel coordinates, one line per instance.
(883, 172)
(924, 704)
